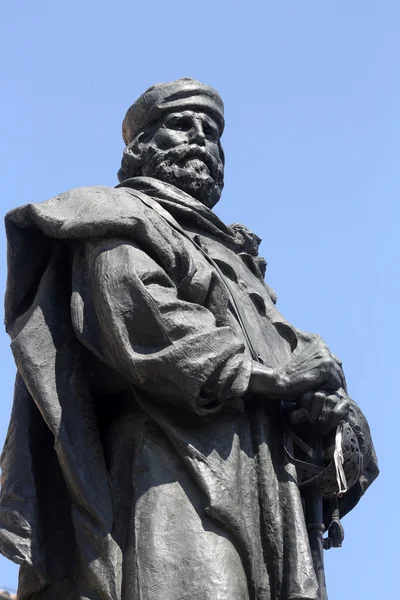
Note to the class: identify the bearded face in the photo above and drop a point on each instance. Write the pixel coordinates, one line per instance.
(189, 167)
(184, 150)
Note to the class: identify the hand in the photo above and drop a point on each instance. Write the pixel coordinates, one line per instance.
(325, 409)
(313, 368)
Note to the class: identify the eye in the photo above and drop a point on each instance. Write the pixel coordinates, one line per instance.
(210, 132)
(179, 123)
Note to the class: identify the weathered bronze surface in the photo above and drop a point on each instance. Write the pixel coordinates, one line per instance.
(172, 436)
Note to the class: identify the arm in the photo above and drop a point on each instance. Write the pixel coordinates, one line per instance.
(129, 313)
(127, 310)
(311, 368)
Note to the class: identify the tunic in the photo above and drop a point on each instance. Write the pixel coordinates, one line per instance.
(167, 480)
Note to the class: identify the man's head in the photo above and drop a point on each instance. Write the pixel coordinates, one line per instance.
(172, 133)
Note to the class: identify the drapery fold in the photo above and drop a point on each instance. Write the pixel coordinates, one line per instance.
(106, 277)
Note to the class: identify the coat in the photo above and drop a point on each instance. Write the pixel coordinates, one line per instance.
(136, 465)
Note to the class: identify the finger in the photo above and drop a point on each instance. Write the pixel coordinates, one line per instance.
(317, 403)
(333, 377)
(325, 392)
(326, 421)
(299, 416)
(342, 376)
(334, 411)
(333, 380)
(340, 412)
(337, 359)
(306, 400)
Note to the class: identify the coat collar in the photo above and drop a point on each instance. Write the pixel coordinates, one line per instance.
(191, 213)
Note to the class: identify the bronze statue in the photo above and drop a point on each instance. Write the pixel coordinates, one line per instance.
(172, 435)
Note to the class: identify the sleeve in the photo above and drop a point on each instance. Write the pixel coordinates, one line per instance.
(127, 310)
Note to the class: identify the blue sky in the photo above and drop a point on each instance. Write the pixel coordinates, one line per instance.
(312, 95)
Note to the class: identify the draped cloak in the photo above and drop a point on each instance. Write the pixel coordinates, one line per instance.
(136, 466)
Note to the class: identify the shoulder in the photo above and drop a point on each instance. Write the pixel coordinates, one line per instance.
(83, 212)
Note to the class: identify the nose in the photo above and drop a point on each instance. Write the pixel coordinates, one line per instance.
(197, 135)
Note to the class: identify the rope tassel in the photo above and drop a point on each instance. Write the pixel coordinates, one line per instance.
(339, 460)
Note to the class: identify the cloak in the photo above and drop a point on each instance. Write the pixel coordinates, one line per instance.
(135, 464)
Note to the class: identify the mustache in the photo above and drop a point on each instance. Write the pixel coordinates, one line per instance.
(181, 154)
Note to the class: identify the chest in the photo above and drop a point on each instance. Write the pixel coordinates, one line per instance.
(272, 337)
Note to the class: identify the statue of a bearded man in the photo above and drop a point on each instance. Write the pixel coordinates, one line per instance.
(146, 454)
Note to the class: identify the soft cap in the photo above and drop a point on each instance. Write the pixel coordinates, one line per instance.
(175, 96)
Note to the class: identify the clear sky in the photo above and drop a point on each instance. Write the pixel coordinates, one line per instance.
(312, 95)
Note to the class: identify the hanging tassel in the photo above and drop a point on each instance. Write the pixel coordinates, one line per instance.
(339, 460)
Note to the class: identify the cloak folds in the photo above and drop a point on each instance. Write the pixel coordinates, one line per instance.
(128, 408)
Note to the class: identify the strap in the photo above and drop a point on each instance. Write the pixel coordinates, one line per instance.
(306, 468)
(239, 313)
(316, 458)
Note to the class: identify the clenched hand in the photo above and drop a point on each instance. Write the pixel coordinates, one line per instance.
(324, 409)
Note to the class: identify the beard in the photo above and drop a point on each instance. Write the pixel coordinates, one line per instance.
(190, 168)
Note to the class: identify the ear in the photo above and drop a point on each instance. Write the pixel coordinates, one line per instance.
(132, 159)
(131, 164)
(135, 147)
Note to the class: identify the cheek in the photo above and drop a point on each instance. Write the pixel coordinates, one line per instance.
(168, 138)
(213, 149)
